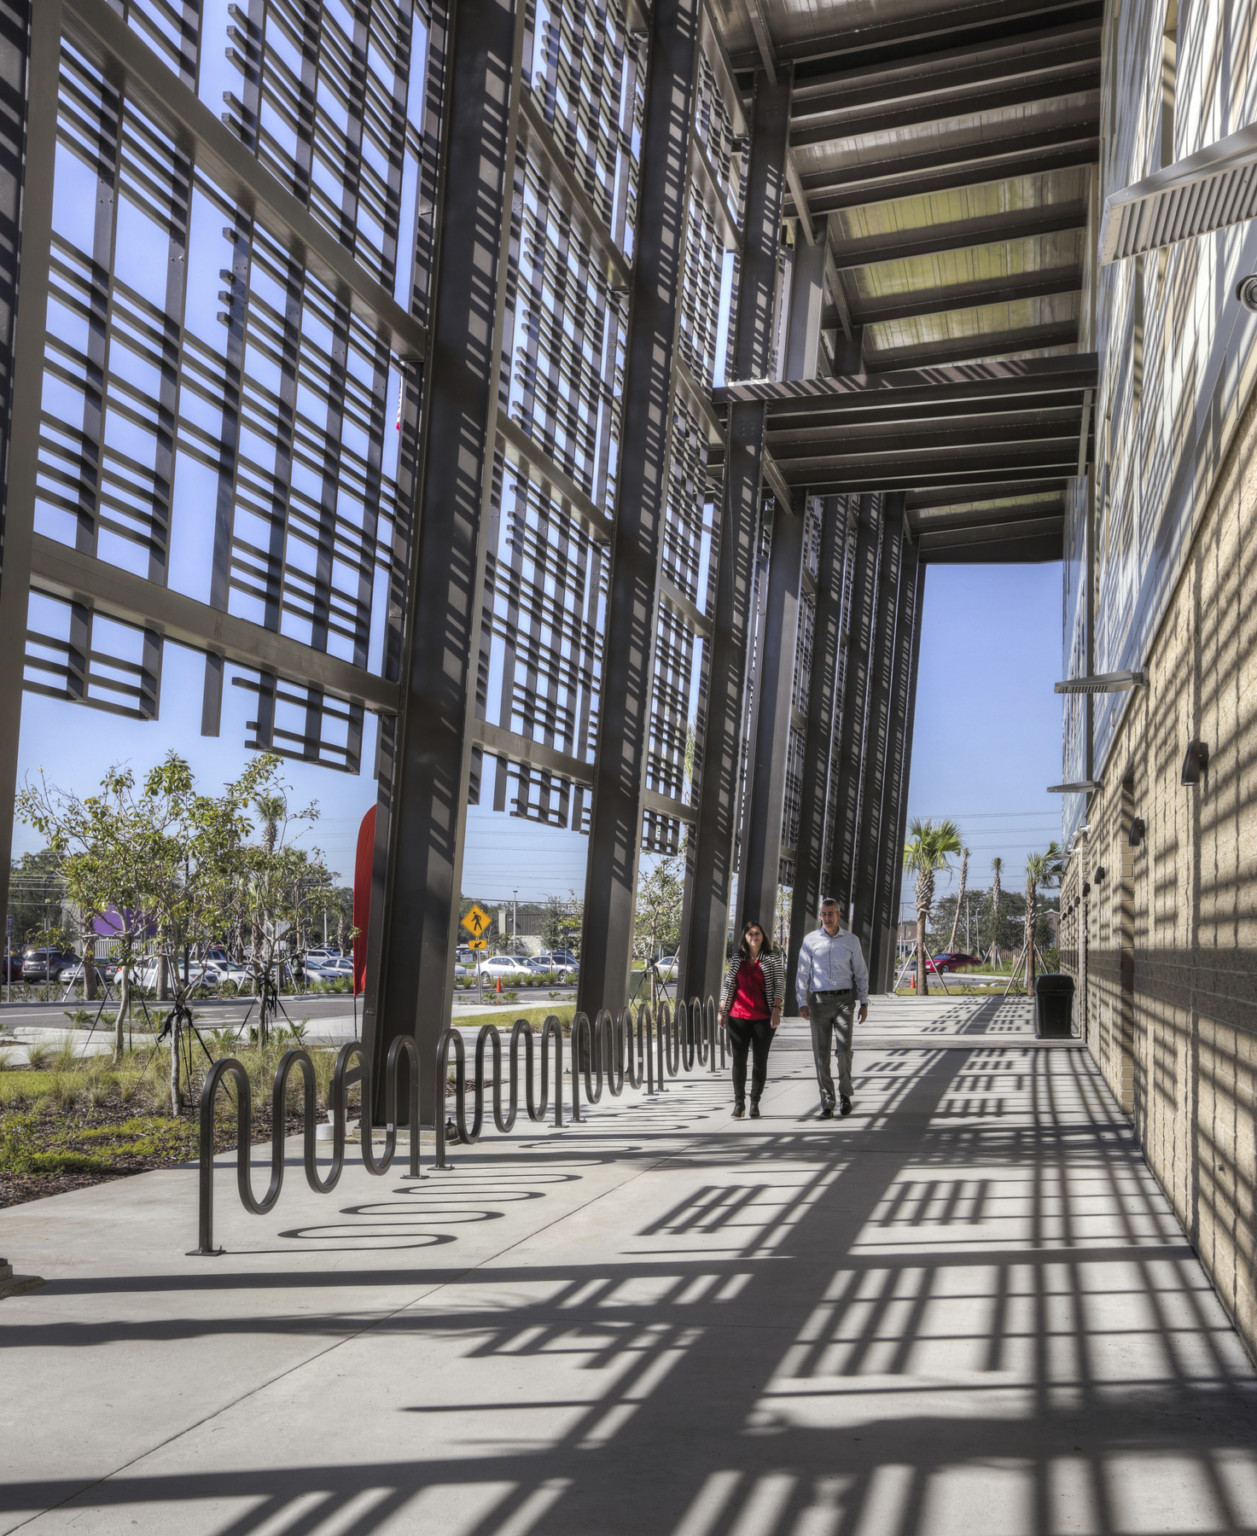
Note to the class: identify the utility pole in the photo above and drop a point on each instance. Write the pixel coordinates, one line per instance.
(515, 919)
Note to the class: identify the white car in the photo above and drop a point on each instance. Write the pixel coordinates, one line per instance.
(507, 967)
(338, 969)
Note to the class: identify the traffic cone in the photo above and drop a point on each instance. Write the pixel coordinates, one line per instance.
(499, 983)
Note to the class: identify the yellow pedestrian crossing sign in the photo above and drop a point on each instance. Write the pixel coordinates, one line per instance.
(477, 922)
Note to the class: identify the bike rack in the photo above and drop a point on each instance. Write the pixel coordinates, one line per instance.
(647, 1046)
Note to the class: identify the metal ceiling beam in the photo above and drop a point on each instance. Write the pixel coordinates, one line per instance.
(967, 165)
(820, 451)
(989, 491)
(1035, 550)
(969, 26)
(994, 532)
(991, 517)
(976, 380)
(909, 74)
(1062, 333)
(1003, 465)
(1001, 290)
(963, 235)
(786, 425)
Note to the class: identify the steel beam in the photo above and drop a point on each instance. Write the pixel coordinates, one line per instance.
(889, 863)
(419, 911)
(874, 764)
(121, 594)
(962, 235)
(29, 71)
(845, 781)
(706, 916)
(901, 823)
(818, 740)
(615, 829)
(761, 823)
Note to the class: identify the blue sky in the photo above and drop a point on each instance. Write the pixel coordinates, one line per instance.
(986, 743)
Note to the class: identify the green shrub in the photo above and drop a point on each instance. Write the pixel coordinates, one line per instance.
(40, 1055)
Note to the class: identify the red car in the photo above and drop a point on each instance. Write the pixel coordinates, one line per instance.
(952, 961)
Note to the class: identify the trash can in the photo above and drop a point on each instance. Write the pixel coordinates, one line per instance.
(1054, 1006)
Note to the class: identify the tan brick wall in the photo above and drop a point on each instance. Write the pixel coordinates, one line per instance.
(1175, 1030)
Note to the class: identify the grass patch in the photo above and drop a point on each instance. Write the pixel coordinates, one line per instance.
(504, 1018)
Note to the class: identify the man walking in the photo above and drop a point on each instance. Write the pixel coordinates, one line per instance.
(831, 975)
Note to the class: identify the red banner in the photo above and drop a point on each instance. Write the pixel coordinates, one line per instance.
(363, 865)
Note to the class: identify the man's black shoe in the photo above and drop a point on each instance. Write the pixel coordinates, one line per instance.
(738, 1111)
(846, 1105)
(827, 1110)
(754, 1111)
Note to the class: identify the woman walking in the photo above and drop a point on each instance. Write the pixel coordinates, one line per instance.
(750, 1010)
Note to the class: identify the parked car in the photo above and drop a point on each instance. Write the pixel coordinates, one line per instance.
(550, 965)
(667, 967)
(46, 964)
(508, 967)
(952, 960)
(11, 968)
(336, 969)
(565, 957)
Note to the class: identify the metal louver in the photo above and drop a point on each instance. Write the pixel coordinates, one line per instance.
(1214, 187)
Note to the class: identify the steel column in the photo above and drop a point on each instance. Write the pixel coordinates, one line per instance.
(845, 807)
(809, 851)
(913, 667)
(419, 911)
(29, 77)
(894, 790)
(761, 837)
(615, 830)
(874, 758)
(706, 917)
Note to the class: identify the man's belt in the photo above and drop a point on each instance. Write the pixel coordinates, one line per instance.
(834, 992)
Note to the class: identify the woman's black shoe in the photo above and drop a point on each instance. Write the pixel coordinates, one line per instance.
(738, 1111)
(754, 1111)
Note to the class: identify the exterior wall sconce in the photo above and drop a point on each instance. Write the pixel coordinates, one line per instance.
(1086, 888)
(1100, 874)
(1138, 828)
(1195, 763)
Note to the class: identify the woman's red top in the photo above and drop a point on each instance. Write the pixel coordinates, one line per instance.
(751, 1001)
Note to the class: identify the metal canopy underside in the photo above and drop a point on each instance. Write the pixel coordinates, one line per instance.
(944, 155)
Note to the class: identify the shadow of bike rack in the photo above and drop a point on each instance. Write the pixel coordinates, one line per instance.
(639, 1046)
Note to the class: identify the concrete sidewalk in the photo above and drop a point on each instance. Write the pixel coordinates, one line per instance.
(966, 1309)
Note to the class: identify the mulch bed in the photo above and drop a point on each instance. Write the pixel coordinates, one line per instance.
(65, 1135)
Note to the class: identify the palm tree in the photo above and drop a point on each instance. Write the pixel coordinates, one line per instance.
(960, 895)
(1042, 869)
(997, 869)
(927, 850)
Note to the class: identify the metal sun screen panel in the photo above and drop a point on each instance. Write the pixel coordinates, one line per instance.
(215, 419)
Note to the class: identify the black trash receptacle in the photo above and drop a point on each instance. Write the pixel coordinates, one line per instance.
(1054, 1006)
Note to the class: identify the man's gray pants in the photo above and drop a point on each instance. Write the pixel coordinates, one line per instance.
(825, 1010)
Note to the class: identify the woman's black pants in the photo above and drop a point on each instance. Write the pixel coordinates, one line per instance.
(756, 1036)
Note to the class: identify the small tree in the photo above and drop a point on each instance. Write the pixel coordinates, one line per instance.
(657, 911)
(157, 862)
(927, 850)
(1042, 870)
(960, 896)
(561, 922)
(283, 886)
(997, 869)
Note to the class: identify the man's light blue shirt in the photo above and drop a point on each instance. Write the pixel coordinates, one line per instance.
(830, 965)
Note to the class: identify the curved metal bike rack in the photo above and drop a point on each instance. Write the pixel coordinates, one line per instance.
(646, 1046)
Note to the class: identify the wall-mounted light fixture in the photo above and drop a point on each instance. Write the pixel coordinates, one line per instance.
(1195, 763)
(1104, 682)
(1138, 828)
(1100, 874)
(1086, 887)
